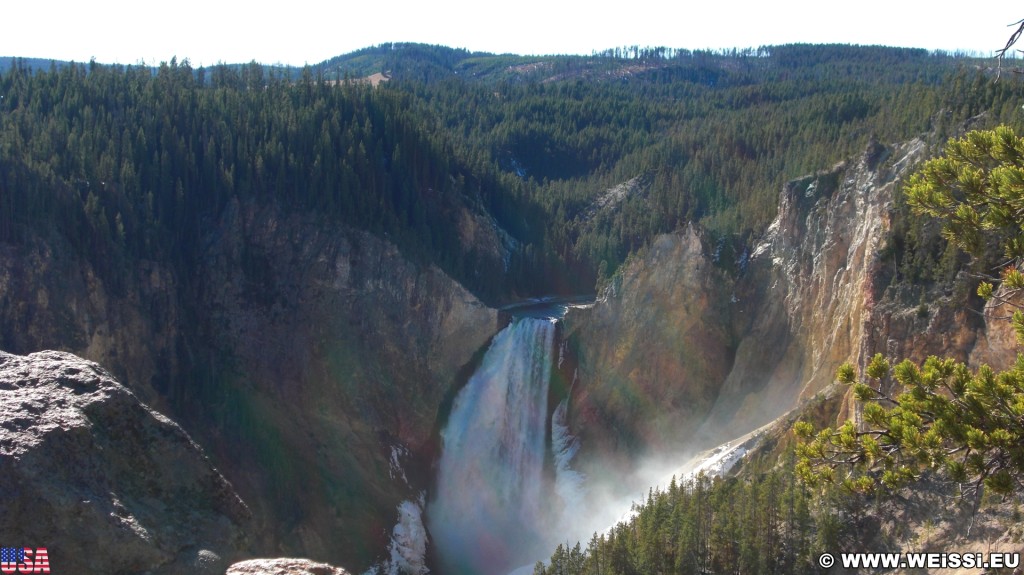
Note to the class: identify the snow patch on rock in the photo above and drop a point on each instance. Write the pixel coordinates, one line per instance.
(408, 547)
(395, 469)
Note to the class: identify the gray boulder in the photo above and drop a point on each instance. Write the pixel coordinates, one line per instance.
(283, 566)
(102, 481)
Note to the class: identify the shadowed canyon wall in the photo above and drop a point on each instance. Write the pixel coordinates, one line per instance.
(309, 360)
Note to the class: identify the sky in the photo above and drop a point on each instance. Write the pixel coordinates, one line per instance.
(298, 32)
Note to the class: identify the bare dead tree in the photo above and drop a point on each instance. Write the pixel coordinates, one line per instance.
(1001, 54)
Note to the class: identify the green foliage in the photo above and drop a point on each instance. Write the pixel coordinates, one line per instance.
(709, 137)
(944, 418)
(129, 162)
(947, 419)
(143, 158)
(977, 189)
(762, 524)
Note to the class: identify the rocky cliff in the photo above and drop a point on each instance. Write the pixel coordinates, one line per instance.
(54, 295)
(340, 354)
(310, 360)
(652, 350)
(685, 356)
(806, 300)
(103, 482)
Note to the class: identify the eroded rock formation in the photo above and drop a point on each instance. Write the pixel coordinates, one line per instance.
(675, 344)
(341, 353)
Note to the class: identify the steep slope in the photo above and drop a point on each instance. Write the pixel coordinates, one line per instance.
(341, 352)
(261, 260)
(253, 255)
(653, 351)
(807, 297)
(685, 357)
(53, 296)
(308, 358)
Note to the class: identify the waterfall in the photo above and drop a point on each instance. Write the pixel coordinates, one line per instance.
(494, 503)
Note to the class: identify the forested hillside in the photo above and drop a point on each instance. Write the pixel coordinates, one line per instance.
(918, 458)
(130, 163)
(763, 524)
(694, 136)
(580, 160)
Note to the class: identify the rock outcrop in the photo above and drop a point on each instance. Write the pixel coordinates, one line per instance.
(54, 295)
(805, 304)
(105, 483)
(283, 566)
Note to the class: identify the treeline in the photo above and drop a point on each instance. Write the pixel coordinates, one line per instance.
(129, 163)
(712, 136)
(759, 524)
(762, 519)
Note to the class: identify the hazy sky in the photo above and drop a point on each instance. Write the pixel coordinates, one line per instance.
(305, 31)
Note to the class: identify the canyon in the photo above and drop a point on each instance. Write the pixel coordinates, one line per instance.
(317, 366)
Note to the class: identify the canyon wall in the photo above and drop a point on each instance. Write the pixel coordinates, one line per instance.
(310, 361)
(652, 351)
(342, 352)
(683, 355)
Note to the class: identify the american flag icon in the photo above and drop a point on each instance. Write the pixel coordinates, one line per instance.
(12, 555)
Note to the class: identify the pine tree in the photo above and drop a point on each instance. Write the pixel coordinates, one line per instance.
(941, 415)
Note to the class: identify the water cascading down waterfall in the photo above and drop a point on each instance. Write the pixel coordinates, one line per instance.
(494, 503)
